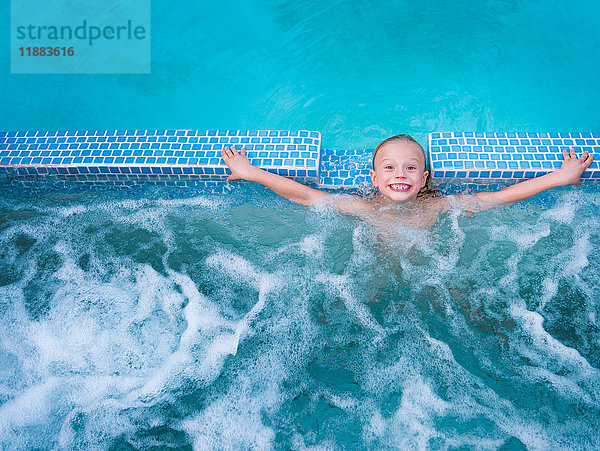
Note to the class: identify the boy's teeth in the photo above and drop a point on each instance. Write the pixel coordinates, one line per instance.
(400, 186)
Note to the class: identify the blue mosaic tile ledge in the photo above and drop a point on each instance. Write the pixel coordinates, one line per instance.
(505, 157)
(345, 168)
(192, 157)
(159, 155)
(475, 160)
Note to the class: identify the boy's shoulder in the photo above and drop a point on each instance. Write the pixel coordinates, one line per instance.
(353, 204)
(441, 203)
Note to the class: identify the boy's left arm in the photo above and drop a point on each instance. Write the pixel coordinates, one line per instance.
(568, 174)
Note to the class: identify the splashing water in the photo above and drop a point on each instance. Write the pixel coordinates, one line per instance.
(219, 322)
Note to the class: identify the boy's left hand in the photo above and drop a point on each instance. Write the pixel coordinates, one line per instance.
(573, 167)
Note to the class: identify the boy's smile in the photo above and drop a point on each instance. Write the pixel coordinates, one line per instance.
(403, 187)
(399, 171)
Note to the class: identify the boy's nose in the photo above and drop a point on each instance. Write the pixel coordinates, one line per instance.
(399, 173)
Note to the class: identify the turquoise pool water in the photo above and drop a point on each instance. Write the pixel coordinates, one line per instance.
(244, 321)
(355, 71)
(170, 318)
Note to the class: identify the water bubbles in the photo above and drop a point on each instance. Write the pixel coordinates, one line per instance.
(213, 323)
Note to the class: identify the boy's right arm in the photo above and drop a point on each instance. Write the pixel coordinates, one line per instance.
(241, 168)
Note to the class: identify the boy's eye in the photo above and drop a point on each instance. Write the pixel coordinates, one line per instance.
(389, 167)
(412, 167)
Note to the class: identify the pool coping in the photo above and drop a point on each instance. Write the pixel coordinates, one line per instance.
(184, 157)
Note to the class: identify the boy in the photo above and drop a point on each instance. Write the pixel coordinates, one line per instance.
(399, 175)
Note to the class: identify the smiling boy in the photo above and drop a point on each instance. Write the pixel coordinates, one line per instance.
(399, 174)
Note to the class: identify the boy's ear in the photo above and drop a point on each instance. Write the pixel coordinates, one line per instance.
(373, 176)
(424, 179)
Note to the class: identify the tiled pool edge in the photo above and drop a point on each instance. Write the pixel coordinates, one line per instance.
(192, 157)
(155, 155)
(475, 160)
(506, 158)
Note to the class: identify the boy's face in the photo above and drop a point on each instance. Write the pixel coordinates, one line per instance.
(399, 171)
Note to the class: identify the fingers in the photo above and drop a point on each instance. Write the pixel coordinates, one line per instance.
(231, 151)
(587, 159)
(228, 152)
(572, 154)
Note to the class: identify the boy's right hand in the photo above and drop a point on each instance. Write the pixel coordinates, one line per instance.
(238, 163)
(572, 167)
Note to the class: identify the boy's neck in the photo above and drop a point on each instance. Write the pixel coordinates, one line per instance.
(381, 201)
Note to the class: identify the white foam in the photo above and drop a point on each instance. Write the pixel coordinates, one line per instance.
(95, 325)
(412, 423)
(341, 286)
(547, 348)
(234, 419)
(28, 409)
(121, 337)
(312, 246)
(221, 426)
(119, 208)
(524, 235)
(565, 208)
(577, 257)
(236, 268)
(203, 321)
